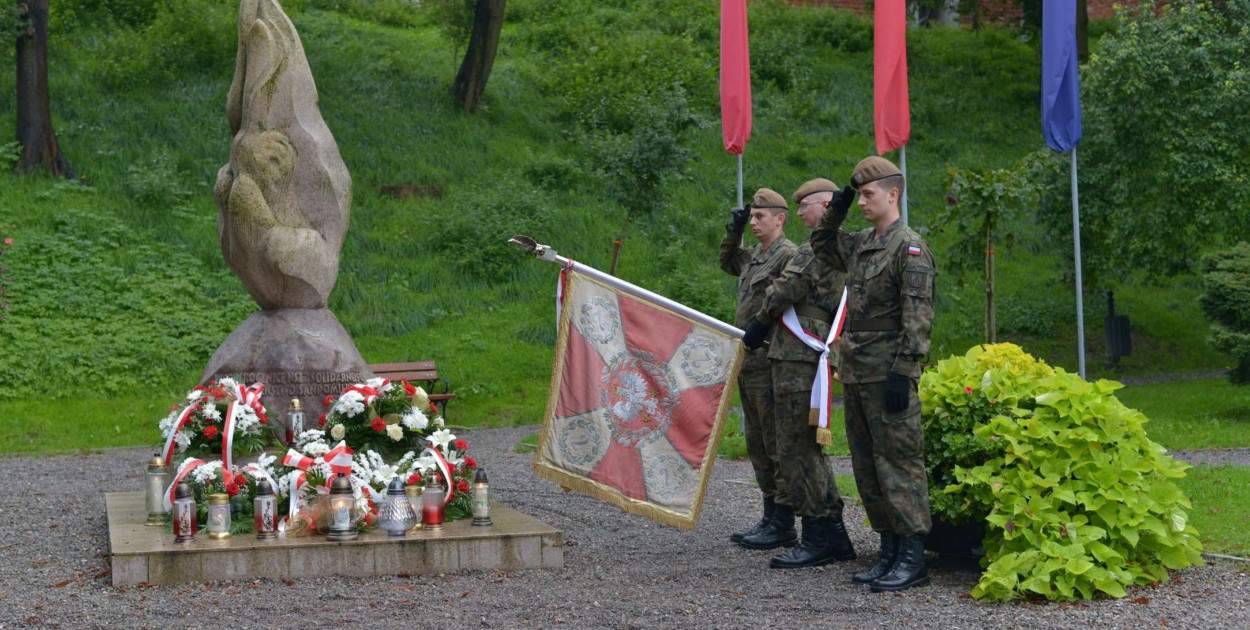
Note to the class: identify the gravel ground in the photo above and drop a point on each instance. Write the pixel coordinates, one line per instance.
(621, 571)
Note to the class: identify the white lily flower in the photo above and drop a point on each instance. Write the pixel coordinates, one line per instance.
(441, 438)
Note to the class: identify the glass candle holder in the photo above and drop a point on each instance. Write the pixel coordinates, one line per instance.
(265, 511)
(481, 499)
(185, 515)
(433, 512)
(413, 494)
(342, 506)
(219, 516)
(294, 421)
(397, 515)
(154, 495)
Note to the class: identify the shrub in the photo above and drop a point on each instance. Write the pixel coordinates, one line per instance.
(1078, 500)
(474, 237)
(1226, 278)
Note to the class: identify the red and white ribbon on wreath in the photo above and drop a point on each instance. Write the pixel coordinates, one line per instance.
(368, 393)
(183, 418)
(822, 386)
(246, 396)
(187, 467)
(294, 459)
(340, 459)
(441, 462)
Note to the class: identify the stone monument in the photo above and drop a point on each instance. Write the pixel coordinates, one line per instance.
(283, 201)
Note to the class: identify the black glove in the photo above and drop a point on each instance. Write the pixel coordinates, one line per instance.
(841, 203)
(897, 392)
(740, 218)
(754, 337)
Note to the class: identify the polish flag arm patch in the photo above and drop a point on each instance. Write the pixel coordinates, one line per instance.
(912, 250)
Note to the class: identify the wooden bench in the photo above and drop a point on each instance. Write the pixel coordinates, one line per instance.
(424, 373)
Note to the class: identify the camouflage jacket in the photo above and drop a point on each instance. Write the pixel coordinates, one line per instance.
(889, 279)
(755, 268)
(806, 283)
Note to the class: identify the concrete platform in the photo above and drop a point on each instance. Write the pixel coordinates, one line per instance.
(149, 555)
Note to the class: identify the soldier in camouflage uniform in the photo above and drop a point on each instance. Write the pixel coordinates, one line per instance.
(756, 267)
(813, 289)
(889, 318)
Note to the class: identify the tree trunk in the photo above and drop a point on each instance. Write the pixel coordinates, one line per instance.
(34, 115)
(470, 81)
(1082, 30)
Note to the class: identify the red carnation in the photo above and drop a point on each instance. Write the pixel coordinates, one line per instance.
(369, 519)
(470, 463)
(413, 478)
(321, 422)
(433, 409)
(232, 489)
(240, 479)
(328, 401)
(210, 432)
(462, 487)
(461, 445)
(379, 425)
(409, 389)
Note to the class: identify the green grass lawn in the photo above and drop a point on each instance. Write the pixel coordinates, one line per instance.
(1208, 413)
(1221, 512)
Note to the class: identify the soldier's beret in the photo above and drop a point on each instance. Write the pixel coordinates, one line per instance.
(872, 168)
(769, 198)
(812, 187)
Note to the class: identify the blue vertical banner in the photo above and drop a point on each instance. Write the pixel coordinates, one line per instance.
(1061, 88)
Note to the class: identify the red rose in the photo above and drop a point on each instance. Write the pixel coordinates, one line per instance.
(328, 401)
(409, 389)
(232, 489)
(470, 463)
(241, 480)
(413, 478)
(462, 487)
(321, 422)
(461, 445)
(379, 425)
(210, 432)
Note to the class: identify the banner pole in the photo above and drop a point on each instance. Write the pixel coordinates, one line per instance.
(902, 165)
(544, 252)
(1076, 239)
(739, 181)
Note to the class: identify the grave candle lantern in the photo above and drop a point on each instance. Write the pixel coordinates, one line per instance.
(265, 509)
(342, 506)
(481, 498)
(155, 494)
(185, 517)
(432, 508)
(219, 516)
(294, 421)
(397, 514)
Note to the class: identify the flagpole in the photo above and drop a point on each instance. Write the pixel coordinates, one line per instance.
(1076, 239)
(544, 252)
(739, 181)
(902, 164)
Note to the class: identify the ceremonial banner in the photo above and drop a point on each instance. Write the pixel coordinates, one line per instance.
(639, 392)
(735, 76)
(1061, 86)
(891, 116)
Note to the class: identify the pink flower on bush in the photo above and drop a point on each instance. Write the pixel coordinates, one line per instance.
(967, 390)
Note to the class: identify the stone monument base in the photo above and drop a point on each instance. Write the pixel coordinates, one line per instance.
(142, 554)
(297, 353)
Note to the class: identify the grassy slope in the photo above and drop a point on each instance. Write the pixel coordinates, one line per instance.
(383, 93)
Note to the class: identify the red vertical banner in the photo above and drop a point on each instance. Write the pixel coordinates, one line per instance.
(891, 116)
(735, 76)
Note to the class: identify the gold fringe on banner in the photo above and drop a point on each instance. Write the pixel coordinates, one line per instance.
(824, 437)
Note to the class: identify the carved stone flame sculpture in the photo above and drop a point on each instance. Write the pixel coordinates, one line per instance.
(283, 201)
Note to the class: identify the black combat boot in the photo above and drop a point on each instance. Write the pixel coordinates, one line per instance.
(769, 507)
(821, 544)
(885, 560)
(908, 569)
(779, 532)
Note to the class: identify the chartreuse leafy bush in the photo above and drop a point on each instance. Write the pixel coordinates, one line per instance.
(1077, 500)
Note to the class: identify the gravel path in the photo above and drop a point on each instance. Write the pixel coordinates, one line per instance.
(621, 571)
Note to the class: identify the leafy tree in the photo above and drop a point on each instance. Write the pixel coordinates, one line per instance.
(1162, 166)
(34, 113)
(980, 207)
(1226, 278)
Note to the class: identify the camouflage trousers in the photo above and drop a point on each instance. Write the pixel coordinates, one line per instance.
(755, 388)
(804, 468)
(887, 454)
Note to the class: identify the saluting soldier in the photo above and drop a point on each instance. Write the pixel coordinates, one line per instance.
(814, 290)
(889, 317)
(756, 267)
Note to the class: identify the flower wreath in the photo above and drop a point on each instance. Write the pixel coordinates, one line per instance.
(219, 417)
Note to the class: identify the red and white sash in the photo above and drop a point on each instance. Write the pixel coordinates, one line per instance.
(822, 386)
